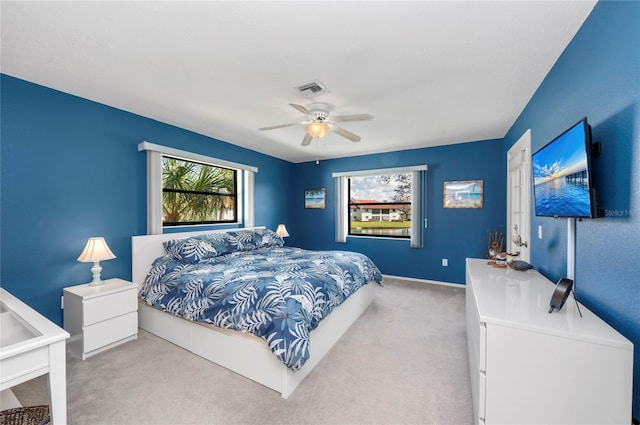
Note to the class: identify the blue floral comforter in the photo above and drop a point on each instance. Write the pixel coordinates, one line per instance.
(277, 293)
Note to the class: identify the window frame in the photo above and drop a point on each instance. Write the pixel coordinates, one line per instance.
(233, 195)
(245, 215)
(418, 196)
(373, 213)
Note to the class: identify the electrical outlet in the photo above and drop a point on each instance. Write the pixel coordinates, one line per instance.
(539, 231)
(445, 262)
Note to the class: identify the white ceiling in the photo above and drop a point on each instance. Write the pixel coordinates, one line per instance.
(431, 72)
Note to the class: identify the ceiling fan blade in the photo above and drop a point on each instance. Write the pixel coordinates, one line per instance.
(279, 126)
(346, 134)
(357, 117)
(300, 108)
(307, 139)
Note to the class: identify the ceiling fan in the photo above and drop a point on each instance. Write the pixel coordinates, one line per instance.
(320, 122)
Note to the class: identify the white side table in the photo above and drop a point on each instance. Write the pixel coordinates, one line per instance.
(100, 317)
(30, 346)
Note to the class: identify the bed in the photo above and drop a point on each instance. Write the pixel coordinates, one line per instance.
(280, 360)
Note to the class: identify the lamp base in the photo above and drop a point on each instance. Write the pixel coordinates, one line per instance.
(95, 271)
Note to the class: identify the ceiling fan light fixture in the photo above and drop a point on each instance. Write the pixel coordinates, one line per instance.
(317, 129)
(319, 122)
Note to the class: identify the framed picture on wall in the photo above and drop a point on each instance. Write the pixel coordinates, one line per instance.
(462, 194)
(315, 198)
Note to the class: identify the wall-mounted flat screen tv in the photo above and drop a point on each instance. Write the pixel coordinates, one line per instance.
(562, 176)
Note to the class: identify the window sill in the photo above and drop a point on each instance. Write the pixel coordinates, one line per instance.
(379, 237)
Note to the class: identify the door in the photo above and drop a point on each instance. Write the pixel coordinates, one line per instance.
(519, 196)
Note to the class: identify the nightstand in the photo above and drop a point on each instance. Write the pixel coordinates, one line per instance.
(100, 317)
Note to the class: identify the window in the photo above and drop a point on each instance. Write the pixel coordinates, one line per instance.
(184, 188)
(197, 193)
(380, 205)
(384, 203)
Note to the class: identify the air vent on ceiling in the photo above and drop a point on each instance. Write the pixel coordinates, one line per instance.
(312, 89)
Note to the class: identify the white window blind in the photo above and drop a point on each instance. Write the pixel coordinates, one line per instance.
(154, 193)
(342, 209)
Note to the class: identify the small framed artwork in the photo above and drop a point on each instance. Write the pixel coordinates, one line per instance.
(315, 198)
(462, 194)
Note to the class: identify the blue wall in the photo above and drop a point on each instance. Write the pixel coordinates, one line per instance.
(451, 233)
(598, 76)
(71, 170)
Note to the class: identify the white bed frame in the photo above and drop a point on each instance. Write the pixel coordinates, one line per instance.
(245, 354)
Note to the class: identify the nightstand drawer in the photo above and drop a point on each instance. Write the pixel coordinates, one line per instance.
(103, 308)
(110, 331)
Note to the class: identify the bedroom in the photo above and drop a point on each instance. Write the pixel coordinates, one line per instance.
(61, 140)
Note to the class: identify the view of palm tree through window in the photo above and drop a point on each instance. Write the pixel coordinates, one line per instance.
(380, 205)
(196, 193)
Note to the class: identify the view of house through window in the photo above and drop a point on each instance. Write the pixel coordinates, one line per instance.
(197, 193)
(380, 205)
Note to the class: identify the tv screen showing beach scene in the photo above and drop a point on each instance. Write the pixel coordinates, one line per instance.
(561, 175)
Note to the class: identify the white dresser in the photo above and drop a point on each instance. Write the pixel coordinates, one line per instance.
(100, 317)
(529, 366)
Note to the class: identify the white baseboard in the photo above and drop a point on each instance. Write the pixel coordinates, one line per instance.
(431, 282)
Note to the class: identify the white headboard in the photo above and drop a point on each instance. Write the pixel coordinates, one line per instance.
(146, 248)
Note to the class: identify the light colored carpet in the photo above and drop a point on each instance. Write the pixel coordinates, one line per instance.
(403, 362)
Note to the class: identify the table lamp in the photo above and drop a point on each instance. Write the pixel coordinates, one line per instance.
(282, 231)
(95, 251)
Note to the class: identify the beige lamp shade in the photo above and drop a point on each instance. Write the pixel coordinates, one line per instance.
(95, 251)
(282, 231)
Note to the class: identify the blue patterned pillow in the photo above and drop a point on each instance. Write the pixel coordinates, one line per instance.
(247, 240)
(197, 248)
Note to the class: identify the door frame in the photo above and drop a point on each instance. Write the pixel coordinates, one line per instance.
(520, 152)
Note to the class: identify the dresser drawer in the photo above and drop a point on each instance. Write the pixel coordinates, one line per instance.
(110, 331)
(103, 308)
